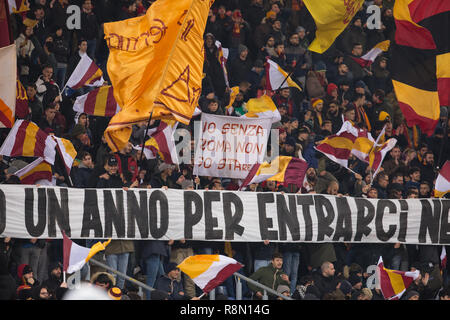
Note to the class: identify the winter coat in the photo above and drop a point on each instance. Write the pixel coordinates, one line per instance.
(172, 287)
(81, 176)
(119, 247)
(268, 276)
(325, 284)
(150, 247)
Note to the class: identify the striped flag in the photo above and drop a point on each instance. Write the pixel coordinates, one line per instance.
(442, 185)
(26, 139)
(420, 60)
(338, 147)
(8, 79)
(284, 169)
(223, 57)
(99, 102)
(262, 107)
(351, 140)
(67, 152)
(367, 59)
(393, 283)
(86, 73)
(275, 77)
(75, 256)
(209, 270)
(39, 169)
(162, 142)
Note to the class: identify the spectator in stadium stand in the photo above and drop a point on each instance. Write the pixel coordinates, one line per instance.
(239, 67)
(61, 50)
(89, 28)
(34, 103)
(325, 279)
(152, 255)
(270, 275)
(83, 171)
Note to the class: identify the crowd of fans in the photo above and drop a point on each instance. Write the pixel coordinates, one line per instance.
(335, 87)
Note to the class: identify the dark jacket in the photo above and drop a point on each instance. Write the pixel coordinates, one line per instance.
(61, 49)
(89, 26)
(150, 247)
(325, 284)
(172, 287)
(81, 176)
(114, 181)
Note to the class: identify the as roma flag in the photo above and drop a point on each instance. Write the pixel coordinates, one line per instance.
(420, 60)
(156, 65)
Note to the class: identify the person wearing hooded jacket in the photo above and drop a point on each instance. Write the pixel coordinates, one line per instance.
(25, 276)
(54, 283)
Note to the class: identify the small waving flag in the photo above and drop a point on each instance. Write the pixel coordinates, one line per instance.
(86, 73)
(262, 107)
(26, 139)
(223, 57)
(209, 270)
(99, 102)
(442, 185)
(67, 152)
(35, 171)
(367, 59)
(275, 77)
(75, 256)
(162, 142)
(285, 169)
(233, 93)
(393, 283)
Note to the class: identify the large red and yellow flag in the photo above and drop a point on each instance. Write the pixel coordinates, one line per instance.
(420, 60)
(331, 18)
(8, 77)
(393, 283)
(156, 65)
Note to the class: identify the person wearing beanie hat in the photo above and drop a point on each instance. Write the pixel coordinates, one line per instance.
(332, 93)
(317, 105)
(284, 290)
(25, 276)
(115, 293)
(169, 283)
(412, 295)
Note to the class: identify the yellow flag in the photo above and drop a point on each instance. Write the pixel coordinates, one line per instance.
(156, 65)
(331, 18)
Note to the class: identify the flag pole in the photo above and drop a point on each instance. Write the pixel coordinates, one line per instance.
(143, 141)
(444, 112)
(289, 74)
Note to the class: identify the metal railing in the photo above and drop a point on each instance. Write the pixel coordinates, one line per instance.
(239, 277)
